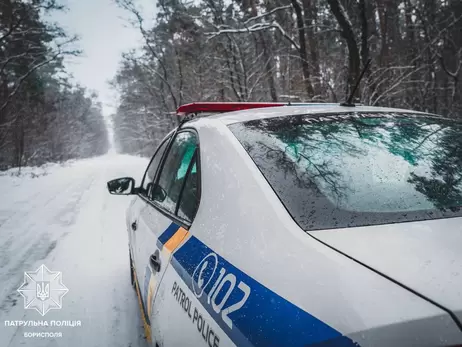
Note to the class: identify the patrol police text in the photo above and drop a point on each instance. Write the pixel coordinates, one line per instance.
(202, 325)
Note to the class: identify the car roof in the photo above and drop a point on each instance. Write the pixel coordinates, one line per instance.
(313, 109)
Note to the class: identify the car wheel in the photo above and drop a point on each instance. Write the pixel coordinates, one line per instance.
(132, 273)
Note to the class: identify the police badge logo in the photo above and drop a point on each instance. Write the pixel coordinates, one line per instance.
(43, 290)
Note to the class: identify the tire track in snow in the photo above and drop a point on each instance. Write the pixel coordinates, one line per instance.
(22, 214)
(35, 211)
(17, 212)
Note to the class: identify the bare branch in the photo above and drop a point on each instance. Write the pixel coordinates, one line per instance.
(274, 10)
(254, 28)
(27, 74)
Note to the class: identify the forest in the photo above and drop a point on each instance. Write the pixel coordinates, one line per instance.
(43, 116)
(285, 50)
(217, 50)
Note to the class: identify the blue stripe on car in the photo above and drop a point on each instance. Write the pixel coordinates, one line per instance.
(266, 319)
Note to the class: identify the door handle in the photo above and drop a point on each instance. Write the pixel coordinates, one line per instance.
(134, 226)
(154, 260)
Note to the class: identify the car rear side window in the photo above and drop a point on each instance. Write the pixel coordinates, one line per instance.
(175, 169)
(189, 200)
(336, 171)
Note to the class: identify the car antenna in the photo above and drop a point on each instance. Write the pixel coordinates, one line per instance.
(349, 101)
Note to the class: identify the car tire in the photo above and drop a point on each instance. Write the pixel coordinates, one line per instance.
(132, 273)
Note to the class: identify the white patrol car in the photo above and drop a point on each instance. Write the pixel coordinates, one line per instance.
(300, 225)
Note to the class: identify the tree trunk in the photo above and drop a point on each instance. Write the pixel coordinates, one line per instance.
(269, 66)
(302, 48)
(311, 11)
(364, 31)
(348, 34)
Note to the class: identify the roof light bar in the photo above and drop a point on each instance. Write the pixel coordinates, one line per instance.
(217, 107)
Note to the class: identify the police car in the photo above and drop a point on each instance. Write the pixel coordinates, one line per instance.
(300, 225)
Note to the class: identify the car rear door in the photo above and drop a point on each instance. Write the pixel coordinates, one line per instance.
(169, 325)
(155, 228)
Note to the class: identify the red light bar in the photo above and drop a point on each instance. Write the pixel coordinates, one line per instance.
(217, 107)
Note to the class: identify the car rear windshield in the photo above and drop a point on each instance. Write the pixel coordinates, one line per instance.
(358, 169)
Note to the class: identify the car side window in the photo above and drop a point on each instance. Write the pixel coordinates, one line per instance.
(152, 168)
(174, 171)
(189, 200)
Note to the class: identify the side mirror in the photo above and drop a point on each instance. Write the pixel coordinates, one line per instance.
(121, 186)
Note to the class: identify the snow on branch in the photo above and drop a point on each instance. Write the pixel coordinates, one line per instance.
(266, 14)
(253, 28)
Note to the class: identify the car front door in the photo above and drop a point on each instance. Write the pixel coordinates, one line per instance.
(137, 209)
(158, 232)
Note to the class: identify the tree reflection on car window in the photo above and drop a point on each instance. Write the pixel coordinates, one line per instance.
(174, 170)
(360, 170)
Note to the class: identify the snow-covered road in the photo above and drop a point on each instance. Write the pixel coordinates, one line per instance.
(67, 221)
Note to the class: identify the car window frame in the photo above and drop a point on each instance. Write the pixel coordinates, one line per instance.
(173, 216)
(188, 173)
(167, 138)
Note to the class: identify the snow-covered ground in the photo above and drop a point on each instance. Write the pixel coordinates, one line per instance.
(63, 217)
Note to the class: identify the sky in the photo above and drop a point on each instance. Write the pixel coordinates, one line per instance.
(104, 33)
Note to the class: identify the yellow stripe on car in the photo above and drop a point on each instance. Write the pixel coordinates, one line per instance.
(176, 239)
(147, 328)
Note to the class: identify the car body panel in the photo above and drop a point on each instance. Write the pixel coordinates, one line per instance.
(136, 208)
(150, 225)
(181, 320)
(204, 287)
(425, 256)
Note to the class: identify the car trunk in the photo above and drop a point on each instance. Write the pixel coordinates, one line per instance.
(423, 256)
